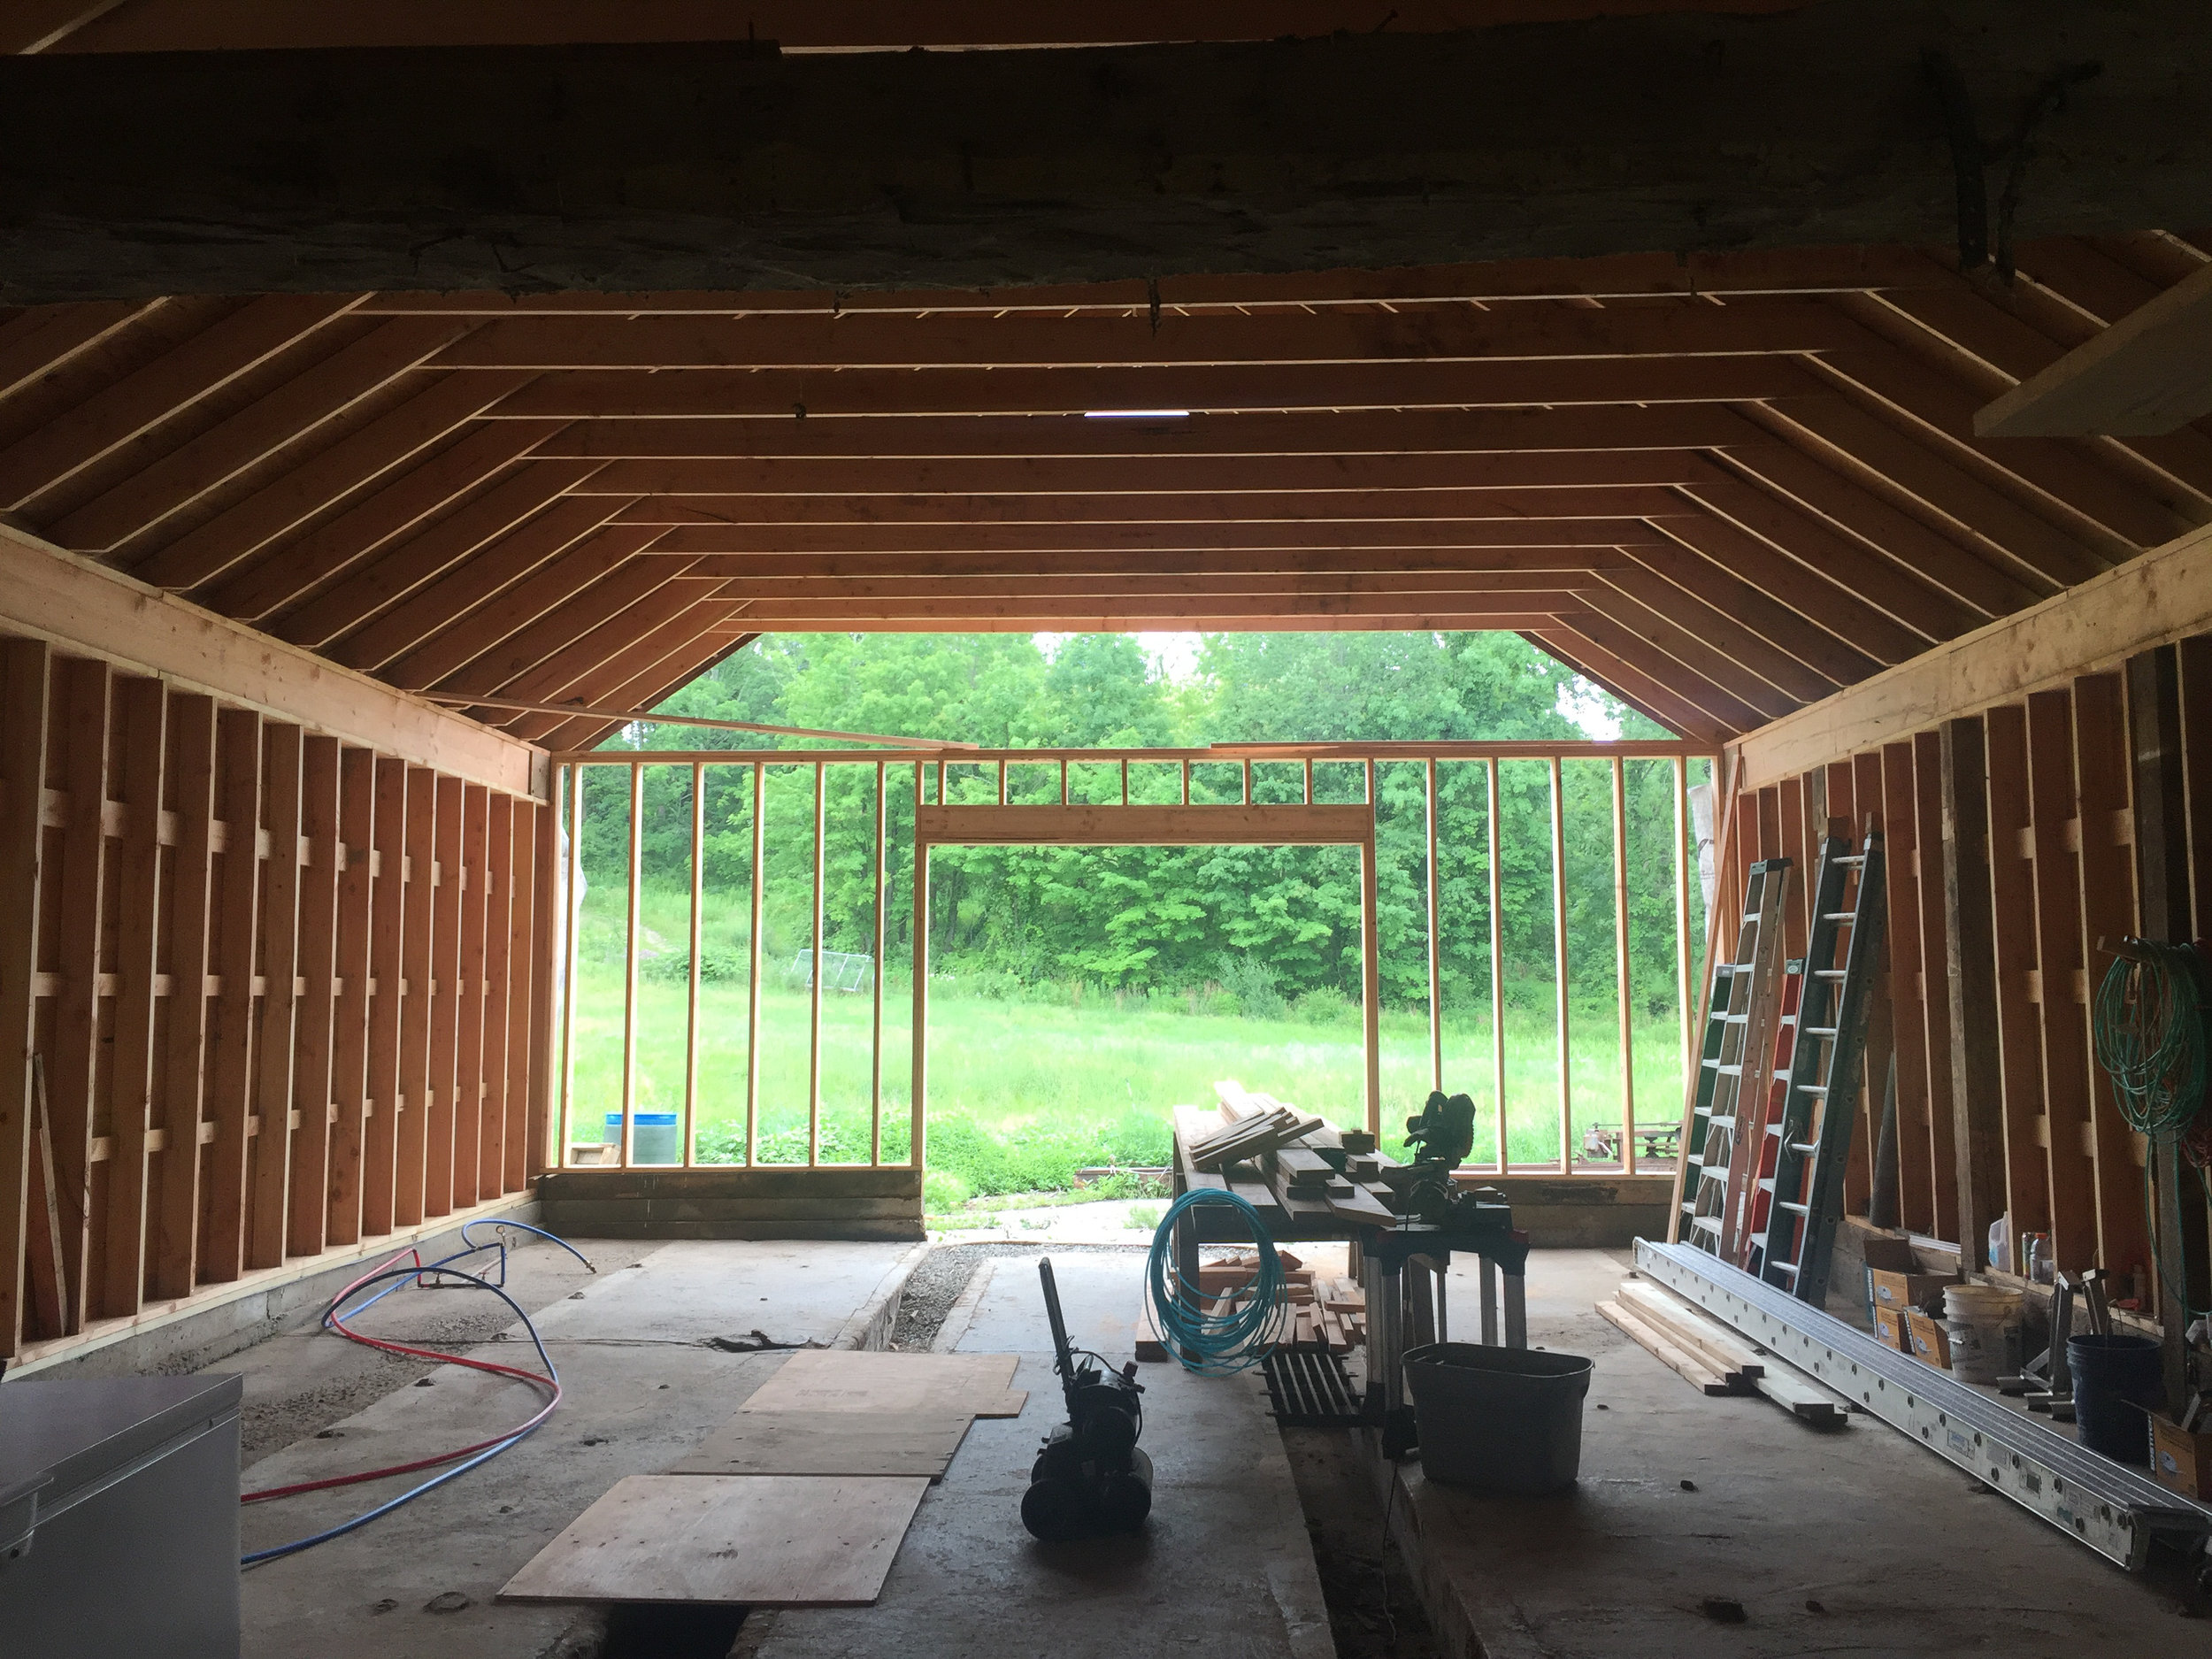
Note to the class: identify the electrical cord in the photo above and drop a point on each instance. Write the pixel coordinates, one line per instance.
(336, 1317)
(1208, 1344)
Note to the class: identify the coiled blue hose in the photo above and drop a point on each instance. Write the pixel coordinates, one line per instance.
(1215, 1344)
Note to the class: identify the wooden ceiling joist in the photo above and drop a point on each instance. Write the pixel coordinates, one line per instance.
(1722, 494)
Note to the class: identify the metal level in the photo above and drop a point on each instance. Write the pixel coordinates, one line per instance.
(2105, 1505)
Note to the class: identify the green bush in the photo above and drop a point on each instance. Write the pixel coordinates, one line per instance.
(1041, 1157)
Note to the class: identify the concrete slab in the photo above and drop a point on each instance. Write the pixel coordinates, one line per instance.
(1849, 1541)
(1223, 1563)
(642, 1387)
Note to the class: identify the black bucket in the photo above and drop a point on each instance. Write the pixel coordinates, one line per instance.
(1503, 1419)
(2117, 1380)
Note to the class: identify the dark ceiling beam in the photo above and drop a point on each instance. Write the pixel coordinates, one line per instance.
(131, 175)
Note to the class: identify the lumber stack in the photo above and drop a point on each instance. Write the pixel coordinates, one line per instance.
(1712, 1357)
(1325, 1311)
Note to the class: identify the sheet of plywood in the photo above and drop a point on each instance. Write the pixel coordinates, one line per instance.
(830, 1443)
(757, 1541)
(854, 1379)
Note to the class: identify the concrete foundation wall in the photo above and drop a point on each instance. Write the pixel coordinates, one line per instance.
(732, 1203)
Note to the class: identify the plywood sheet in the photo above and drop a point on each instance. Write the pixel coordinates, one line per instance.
(850, 1380)
(756, 1540)
(830, 1443)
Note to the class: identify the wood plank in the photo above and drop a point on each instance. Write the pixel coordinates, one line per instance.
(546, 886)
(471, 903)
(2018, 1024)
(26, 690)
(846, 1379)
(2148, 373)
(441, 1131)
(1691, 1366)
(353, 965)
(315, 1028)
(1916, 1174)
(144, 730)
(1970, 981)
(79, 923)
(1927, 762)
(759, 1541)
(2058, 952)
(230, 1041)
(2106, 867)
(78, 603)
(499, 962)
(186, 1057)
(411, 1090)
(829, 1443)
(381, 1074)
(275, 1042)
(2162, 596)
(1146, 826)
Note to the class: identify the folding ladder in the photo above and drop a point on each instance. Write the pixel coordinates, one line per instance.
(1809, 1143)
(1743, 990)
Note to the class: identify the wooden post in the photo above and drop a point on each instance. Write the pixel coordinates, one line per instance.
(1970, 976)
(448, 881)
(413, 1092)
(382, 1078)
(919, 1036)
(1916, 1176)
(143, 707)
(175, 1227)
(230, 1046)
(2019, 1034)
(1436, 961)
(2155, 733)
(25, 692)
(469, 976)
(2058, 955)
(1683, 854)
(1559, 966)
(1620, 965)
(814, 963)
(1370, 955)
(636, 872)
(1497, 961)
(752, 970)
(308, 1205)
(571, 924)
(691, 978)
(506, 922)
(350, 1016)
(1943, 1148)
(875, 972)
(274, 1043)
(533, 1116)
(80, 924)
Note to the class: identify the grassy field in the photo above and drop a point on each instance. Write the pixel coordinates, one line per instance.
(1022, 1094)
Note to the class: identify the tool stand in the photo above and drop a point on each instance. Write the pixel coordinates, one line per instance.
(1503, 1255)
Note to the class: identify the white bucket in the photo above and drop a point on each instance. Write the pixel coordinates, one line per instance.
(1983, 1323)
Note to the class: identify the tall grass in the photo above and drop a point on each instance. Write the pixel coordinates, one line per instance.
(1023, 1093)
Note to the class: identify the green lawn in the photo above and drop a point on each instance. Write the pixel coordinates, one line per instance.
(1021, 1094)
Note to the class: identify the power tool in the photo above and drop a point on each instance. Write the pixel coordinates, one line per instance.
(1090, 1478)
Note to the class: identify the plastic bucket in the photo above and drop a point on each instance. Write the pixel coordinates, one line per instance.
(1983, 1323)
(2118, 1381)
(1503, 1419)
(654, 1137)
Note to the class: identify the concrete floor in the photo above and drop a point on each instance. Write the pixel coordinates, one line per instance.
(1223, 1567)
(641, 1388)
(1856, 1540)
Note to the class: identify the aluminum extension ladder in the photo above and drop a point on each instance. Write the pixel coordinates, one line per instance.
(1734, 1036)
(1801, 1160)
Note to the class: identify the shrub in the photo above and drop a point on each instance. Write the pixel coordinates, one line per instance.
(1251, 982)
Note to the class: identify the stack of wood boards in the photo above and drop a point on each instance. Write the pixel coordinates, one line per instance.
(802, 1499)
(1714, 1358)
(1324, 1311)
(1305, 1175)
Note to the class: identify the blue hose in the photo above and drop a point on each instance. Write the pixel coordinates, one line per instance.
(1215, 1344)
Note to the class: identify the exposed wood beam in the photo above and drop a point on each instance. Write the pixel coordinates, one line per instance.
(1812, 643)
(1689, 669)
(648, 659)
(565, 672)
(400, 570)
(1805, 588)
(1627, 681)
(41, 26)
(208, 462)
(1725, 633)
(2148, 373)
(83, 606)
(136, 404)
(1122, 562)
(1443, 383)
(583, 735)
(1191, 539)
(45, 337)
(285, 576)
(1074, 615)
(2162, 596)
(506, 668)
(239, 531)
(1090, 341)
(950, 592)
(438, 603)
(517, 604)
(1307, 507)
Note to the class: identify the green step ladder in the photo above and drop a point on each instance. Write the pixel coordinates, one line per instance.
(1801, 1183)
(1738, 1024)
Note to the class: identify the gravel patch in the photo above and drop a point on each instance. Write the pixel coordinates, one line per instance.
(945, 1272)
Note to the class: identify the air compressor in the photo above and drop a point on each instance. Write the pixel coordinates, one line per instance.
(1091, 1478)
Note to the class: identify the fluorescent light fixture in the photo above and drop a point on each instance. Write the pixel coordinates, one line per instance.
(1135, 414)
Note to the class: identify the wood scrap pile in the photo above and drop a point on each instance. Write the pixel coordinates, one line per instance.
(1246, 1138)
(1714, 1358)
(1287, 1164)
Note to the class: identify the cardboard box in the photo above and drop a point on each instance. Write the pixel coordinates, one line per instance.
(1896, 1278)
(1927, 1340)
(2180, 1459)
(1889, 1329)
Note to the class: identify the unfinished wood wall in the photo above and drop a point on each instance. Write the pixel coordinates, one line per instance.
(363, 1054)
(2017, 839)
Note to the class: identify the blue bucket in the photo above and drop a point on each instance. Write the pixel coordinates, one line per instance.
(654, 1137)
